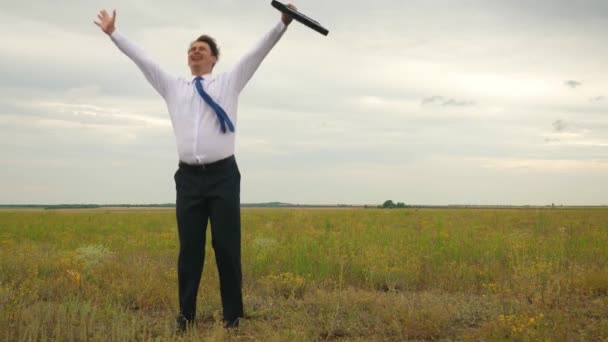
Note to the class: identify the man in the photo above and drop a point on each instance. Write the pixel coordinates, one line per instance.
(203, 111)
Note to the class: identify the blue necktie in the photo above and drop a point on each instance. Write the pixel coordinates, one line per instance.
(221, 114)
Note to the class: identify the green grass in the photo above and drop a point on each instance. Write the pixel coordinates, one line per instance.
(313, 274)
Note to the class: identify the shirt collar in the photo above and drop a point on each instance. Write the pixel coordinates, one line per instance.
(207, 77)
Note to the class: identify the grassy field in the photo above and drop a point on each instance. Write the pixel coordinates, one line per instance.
(343, 274)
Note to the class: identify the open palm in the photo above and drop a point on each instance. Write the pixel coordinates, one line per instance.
(106, 22)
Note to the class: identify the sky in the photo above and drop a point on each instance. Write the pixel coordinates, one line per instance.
(420, 101)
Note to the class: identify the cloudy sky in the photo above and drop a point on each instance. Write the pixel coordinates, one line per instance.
(420, 101)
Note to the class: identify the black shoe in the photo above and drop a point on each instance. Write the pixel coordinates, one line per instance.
(183, 324)
(231, 323)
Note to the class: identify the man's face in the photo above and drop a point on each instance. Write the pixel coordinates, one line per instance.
(200, 56)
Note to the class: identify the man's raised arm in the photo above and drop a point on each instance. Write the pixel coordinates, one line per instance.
(244, 69)
(157, 77)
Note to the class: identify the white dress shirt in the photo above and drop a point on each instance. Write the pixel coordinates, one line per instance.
(195, 124)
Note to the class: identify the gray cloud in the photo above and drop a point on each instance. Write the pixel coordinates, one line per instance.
(597, 99)
(447, 102)
(572, 84)
(559, 125)
(581, 135)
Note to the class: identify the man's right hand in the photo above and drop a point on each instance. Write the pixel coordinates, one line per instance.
(106, 23)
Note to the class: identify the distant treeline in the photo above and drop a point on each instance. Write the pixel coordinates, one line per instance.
(46, 206)
(83, 206)
(290, 205)
(386, 205)
(389, 204)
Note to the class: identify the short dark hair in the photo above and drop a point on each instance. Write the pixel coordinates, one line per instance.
(215, 50)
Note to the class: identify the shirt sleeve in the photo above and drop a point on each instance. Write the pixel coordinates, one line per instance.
(244, 69)
(158, 78)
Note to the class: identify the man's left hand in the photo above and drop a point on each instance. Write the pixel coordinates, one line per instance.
(287, 18)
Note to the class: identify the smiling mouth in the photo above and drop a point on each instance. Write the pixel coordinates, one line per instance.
(197, 58)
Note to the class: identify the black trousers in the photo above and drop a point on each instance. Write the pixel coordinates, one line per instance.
(209, 193)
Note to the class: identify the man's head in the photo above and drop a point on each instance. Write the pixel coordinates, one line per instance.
(202, 55)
